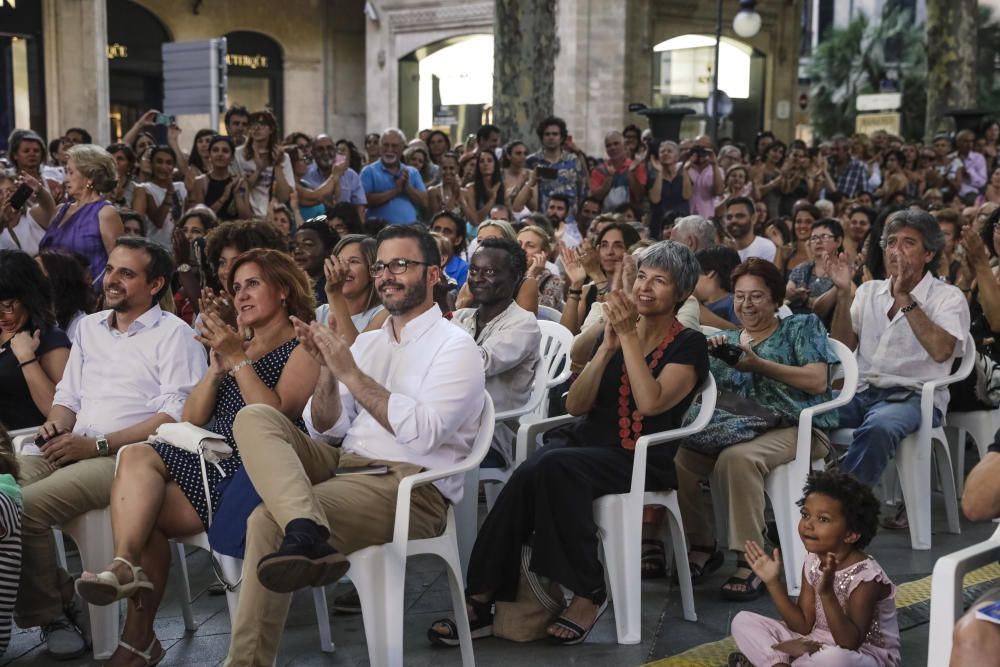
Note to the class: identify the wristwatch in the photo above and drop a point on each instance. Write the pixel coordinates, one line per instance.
(102, 446)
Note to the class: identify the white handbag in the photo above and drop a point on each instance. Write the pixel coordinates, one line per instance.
(208, 446)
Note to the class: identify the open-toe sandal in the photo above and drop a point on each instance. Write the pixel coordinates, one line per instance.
(481, 627)
(753, 586)
(716, 558)
(580, 634)
(147, 655)
(654, 560)
(104, 588)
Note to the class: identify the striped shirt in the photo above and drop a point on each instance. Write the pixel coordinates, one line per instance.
(10, 563)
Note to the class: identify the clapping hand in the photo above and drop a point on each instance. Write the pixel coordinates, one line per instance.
(766, 567)
(574, 270)
(828, 568)
(629, 271)
(536, 266)
(975, 250)
(221, 338)
(217, 304)
(840, 270)
(336, 273)
(621, 313)
(590, 260)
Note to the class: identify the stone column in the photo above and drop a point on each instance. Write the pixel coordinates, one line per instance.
(76, 67)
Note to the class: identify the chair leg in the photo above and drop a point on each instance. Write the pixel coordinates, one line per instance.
(467, 517)
(913, 461)
(622, 530)
(680, 558)
(947, 478)
(92, 534)
(793, 552)
(323, 620)
(379, 576)
(186, 600)
(456, 583)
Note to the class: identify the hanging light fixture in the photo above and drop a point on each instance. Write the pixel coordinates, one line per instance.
(747, 22)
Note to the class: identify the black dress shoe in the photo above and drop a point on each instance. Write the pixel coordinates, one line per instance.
(304, 559)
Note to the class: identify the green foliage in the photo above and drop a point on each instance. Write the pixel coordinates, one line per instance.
(852, 61)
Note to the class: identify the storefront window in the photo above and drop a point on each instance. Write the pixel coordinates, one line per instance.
(22, 88)
(254, 72)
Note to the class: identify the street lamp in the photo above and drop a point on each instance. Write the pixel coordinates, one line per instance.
(746, 24)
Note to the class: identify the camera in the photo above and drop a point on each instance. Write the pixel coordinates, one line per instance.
(728, 353)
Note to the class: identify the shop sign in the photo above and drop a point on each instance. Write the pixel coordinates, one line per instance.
(256, 61)
(869, 123)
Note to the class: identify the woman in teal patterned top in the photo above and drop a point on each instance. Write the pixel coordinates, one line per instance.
(782, 370)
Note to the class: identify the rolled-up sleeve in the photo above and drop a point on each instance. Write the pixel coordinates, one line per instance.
(68, 390)
(182, 366)
(448, 394)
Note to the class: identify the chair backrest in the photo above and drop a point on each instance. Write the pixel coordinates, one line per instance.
(556, 343)
(848, 368)
(484, 436)
(548, 314)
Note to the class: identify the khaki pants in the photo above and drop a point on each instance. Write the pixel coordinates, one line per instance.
(53, 496)
(293, 475)
(737, 480)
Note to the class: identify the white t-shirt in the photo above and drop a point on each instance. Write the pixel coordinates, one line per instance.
(164, 235)
(28, 233)
(761, 247)
(260, 195)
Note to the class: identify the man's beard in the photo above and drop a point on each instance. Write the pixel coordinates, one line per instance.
(738, 231)
(413, 296)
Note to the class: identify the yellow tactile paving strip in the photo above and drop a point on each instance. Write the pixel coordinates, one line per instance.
(715, 654)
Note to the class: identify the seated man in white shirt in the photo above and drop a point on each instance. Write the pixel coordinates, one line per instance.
(508, 336)
(906, 330)
(739, 224)
(407, 396)
(130, 369)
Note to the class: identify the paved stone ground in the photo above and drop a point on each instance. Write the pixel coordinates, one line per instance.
(664, 630)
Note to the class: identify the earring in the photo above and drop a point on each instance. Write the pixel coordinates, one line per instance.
(90, 186)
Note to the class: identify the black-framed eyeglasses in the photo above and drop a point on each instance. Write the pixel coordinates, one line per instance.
(395, 266)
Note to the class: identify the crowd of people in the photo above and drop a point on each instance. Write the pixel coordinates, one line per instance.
(323, 307)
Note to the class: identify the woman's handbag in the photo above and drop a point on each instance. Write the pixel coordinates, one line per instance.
(538, 602)
(736, 419)
(210, 448)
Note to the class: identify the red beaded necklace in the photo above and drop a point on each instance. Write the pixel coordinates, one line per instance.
(630, 421)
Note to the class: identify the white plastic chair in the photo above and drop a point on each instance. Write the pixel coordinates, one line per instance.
(619, 521)
(548, 314)
(913, 459)
(981, 425)
(553, 369)
(379, 572)
(947, 594)
(784, 483)
(91, 532)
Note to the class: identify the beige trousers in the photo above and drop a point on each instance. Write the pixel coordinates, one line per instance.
(737, 481)
(53, 496)
(294, 476)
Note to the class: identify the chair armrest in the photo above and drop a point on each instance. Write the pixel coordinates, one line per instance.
(562, 377)
(513, 413)
(527, 433)
(21, 436)
(946, 583)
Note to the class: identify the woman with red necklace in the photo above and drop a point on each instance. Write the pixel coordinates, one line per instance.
(642, 379)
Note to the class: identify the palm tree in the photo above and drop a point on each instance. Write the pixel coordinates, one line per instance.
(853, 61)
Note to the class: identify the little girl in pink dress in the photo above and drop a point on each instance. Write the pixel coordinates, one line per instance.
(846, 613)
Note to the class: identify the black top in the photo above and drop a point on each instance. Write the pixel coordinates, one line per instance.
(213, 193)
(17, 410)
(600, 427)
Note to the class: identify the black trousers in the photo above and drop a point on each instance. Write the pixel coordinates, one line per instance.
(548, 502)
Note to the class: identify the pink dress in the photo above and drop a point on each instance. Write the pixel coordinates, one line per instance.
(755, 634)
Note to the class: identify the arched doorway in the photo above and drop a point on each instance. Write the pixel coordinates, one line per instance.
(255, 72)
(682, 71)
(447, 85)
(135, 63)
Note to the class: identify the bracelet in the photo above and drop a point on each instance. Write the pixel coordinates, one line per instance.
(575, 292)
(240, 366)
(906, 309)
(28, 362)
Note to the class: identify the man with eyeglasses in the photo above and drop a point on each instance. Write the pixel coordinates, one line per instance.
(906, 331)
(327, 164)
(507, 335)
(739, 224)
(406, 397)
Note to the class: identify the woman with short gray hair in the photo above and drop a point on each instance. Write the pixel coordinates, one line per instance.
(642, 378)
(88, 224)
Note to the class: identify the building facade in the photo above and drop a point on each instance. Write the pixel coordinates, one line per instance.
(349, 66)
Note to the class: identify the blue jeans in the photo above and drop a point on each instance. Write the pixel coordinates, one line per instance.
(879, 426)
